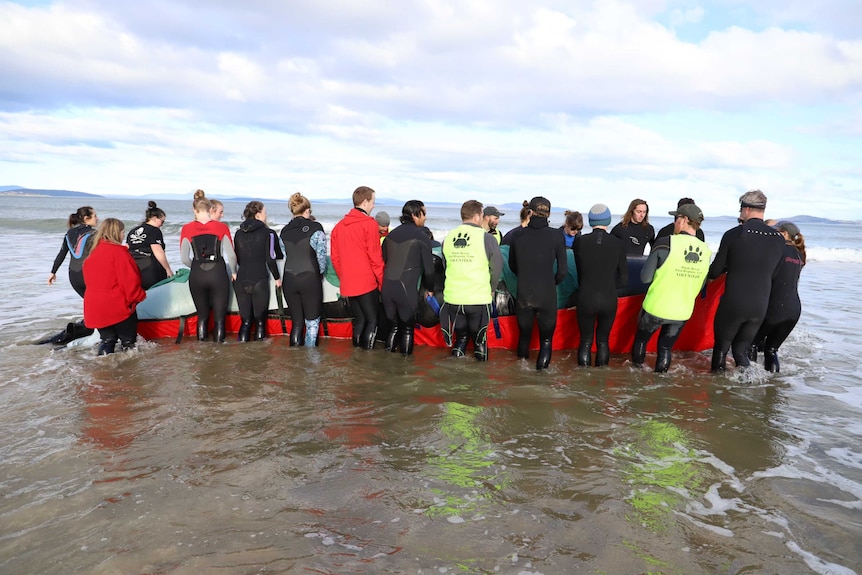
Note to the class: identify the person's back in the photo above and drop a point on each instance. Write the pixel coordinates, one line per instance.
(602, 269)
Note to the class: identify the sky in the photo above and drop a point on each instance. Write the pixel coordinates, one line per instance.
(497, 100)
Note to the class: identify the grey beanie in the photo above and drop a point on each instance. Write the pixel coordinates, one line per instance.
(599, 215)
(382, 219)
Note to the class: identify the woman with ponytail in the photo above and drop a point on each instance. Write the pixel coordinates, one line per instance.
(147, 245)
(77, 242)
(255, 256)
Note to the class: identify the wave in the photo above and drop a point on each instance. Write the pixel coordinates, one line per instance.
(843, 255)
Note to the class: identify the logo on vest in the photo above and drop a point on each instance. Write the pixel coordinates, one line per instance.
(692, 254)
(462, 240)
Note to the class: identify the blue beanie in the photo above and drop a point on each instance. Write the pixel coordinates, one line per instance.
(599, 215)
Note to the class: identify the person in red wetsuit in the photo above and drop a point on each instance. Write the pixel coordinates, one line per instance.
(113, 288)
(358, 261)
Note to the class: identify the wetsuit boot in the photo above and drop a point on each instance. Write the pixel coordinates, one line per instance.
(261, 328)
(584, 352)
(203, 334)
(770, 359)
(107, 346)
(295, 334)
(405, 332)
(544, 359)
(480, 351)
(603, 353)
(719, 361)
(639, 353)
(219, 331)
(127, 344)
(662, 360)
(312, 328)
(459, 349)
(392, 339)
(366, 341)
(244, 330)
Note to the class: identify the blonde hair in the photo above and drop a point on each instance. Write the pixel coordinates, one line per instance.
(201, 203)
(298, 204)
(110, 230)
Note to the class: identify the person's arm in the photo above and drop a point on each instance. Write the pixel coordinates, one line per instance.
(318, 244)
(495, 260)
(229, 253)
(129, 277)
(186, 251)
(719, 264)
(375, 252)
(159, 254)
(58, 261)
(622, 269)
(428, 270)
(271, 257)
(657, 256)
(513, 258)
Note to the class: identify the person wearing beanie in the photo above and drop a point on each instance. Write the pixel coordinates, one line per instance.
(602, 270)
(676, 272)
(785, 306)
(668, 230)
(750, 254)
(533, 255)
(635, 230)
(383, 220)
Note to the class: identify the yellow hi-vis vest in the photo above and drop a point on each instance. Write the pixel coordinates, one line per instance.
(677, 282)
(468, 273)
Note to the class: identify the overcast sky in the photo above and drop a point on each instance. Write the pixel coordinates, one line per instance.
(495, 100)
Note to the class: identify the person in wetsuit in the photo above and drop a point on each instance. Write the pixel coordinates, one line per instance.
(676, 272)
(407, 261)
(304, 265)
(784, 307)
(473, 265)
(533, 255)
(204, 243)
(147, 245)
(602, 269)
(255, 257)
(358, 261)
(76, 242)
(524, 216)
(669, 229)
(634, 229)
(750, 255)
(114, 289)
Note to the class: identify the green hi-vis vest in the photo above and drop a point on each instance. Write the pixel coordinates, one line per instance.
(468, 274)
(677, 282)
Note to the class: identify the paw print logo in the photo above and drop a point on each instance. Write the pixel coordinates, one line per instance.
(692, 254)
(462, 240)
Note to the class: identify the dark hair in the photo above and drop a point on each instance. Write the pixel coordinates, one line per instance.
(252, 209)
(525, 211)
(427, 231)
(78, 217)
(153, 211)
(574, 221)
(469, 209)
(627, 218)
(361, 194)
(411, 208)
(684, 201)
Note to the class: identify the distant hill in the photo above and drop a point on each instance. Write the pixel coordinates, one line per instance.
(7, 191)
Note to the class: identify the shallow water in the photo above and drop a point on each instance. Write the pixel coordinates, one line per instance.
(261, 458)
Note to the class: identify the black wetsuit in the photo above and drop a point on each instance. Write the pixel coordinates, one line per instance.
(668, 231)
(635, 237)
(254, 243)
(510, 235)
(784, 305)
(407, 258)
(140, 240)
(602, 269)
(77, 242)
(750, 254)
(302, 285)
(532, 257)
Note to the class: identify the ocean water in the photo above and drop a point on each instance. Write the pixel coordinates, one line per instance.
(261, 458)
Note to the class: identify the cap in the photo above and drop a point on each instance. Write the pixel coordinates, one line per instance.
(382, 219)
(541, 206)
(599, 215)
(691, 211)
(492, 211)
(789, 227)
(754, 199)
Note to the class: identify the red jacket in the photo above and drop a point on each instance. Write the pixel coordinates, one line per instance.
(113, 283)
(356, 254)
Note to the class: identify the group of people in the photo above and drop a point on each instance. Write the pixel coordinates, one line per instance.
(385, 275)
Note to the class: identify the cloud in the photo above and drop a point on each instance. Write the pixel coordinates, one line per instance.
(445, 97)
